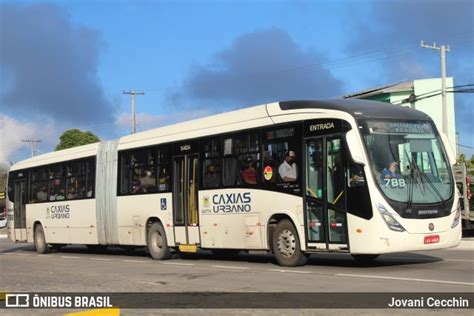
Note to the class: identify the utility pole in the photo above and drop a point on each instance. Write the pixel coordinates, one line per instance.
(32, 144)
(443, 49)
(133, 93)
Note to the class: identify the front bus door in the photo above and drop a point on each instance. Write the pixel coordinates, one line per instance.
(185, 200)
(20, 210)
(325, 193)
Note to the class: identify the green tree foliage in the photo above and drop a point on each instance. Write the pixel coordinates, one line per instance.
(75, 137)
(469, 163)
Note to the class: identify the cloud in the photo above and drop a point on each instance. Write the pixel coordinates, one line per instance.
(395, 23)
(262, 66)
(14, 131)
(49, 65)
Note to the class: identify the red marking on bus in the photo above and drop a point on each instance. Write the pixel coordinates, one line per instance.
(433, 239)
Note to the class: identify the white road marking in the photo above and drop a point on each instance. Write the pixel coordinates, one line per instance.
(178, 263)
(3, 236)
(434, 259)
(6, 253)
(402, 279)
(288, 271)
(231, 267)
(69, 257)
(459, 260)
(22, 254)
(134, 261)
(100, 259)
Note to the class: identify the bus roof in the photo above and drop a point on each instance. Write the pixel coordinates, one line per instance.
(246, 118)
(358, 108)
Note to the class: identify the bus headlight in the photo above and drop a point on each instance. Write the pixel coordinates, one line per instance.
(457, 217)
(391, 222)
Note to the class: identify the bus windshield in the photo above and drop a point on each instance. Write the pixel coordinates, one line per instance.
(408, 161)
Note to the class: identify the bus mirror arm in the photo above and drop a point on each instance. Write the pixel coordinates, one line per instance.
(448, 148)
(355, 147)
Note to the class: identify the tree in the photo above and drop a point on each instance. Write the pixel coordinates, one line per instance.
(75, 137)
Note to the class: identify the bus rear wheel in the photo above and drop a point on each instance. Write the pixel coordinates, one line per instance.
(286, 245)
(40, 240)
(157, 243)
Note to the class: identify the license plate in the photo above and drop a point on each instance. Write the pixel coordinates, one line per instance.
(432, 239)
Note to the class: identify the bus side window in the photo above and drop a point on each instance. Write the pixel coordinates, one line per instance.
(163, 168)
(282, 161)
(241, 160)
(39, 185)
(90, 177)
(57, 182)
(211, 163)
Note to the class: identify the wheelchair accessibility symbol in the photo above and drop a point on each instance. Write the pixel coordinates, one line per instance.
(163, 204)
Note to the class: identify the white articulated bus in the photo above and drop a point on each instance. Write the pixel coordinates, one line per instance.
(291, 178)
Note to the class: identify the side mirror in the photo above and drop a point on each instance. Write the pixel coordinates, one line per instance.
(448, 148)
(355, 147)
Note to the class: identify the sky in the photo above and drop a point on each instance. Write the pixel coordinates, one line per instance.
(65, 64)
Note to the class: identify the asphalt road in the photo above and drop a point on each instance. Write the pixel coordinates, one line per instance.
(76, 269)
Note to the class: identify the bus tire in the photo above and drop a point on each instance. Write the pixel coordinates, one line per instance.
(57, 247)
(40, 240)
(157, 243)
(286, 245)
(367, 258)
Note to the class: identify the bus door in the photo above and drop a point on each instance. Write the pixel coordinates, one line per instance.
(326, 219)
(19, 210)
(185, 200)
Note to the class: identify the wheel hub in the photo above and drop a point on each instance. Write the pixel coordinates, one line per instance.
(287, 243)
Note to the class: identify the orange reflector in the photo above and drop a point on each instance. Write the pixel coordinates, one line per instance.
(359, 230)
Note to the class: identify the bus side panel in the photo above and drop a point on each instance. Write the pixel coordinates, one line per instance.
(55, 229)
(238, 218)
(134, 210)
(82, 228)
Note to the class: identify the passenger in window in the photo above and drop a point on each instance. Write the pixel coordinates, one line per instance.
(211, 179)
(288, 170)
(249, 175)
(390, 172)
(42, 195)
(71, 194)
(136, 186)
(60, 196)
(164, 179)
(52, 195)
(89, 192)
(148, 182)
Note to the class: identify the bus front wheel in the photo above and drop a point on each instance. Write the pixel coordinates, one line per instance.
(157, 243)
(286, 245)
(40, 240)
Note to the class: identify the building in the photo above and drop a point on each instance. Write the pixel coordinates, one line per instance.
(423, 95)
